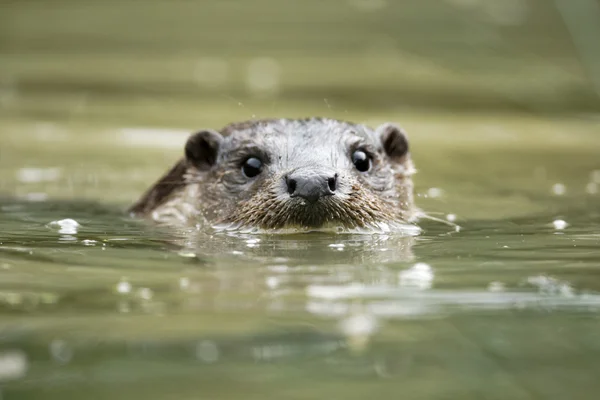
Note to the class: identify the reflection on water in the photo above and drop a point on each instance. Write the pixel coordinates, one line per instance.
(121, 308)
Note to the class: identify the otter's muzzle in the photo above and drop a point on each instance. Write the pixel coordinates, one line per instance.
(311, 185)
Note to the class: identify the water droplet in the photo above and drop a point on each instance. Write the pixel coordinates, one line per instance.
(435, 192)
(184, 283)
(272, 282)
(559, 224)
(123, 287)
(13, 365)
(451, 217)
(359, 324)
(419, 276)
(145, 293)
(559, 189)
(66, 226)
(359, 328)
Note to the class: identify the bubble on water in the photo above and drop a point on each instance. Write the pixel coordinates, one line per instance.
(559, 189)
(451, 217)
(419, 276)
(337, 245)
(358, 329)
(272, 282)
(559, 224)
(145, 293)
(368, 5)
(591, 188)
(435, 192)
(60, 351)
(65, 226)
(263, 75)
(207, 351)
(237, 253)
(13, 364)
(35, 175)
(184, 283)
(359, 324)
(551, 286)
(89, 242)
(211, 71)
(496, 287)
(123, 287)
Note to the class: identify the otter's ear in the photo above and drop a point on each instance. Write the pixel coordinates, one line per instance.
(393, 140)
(202, 148)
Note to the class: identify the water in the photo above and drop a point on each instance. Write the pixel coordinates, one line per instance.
(94, 304)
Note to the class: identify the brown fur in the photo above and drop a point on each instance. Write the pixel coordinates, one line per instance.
(222, 195)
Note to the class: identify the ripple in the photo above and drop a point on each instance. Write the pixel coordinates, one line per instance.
(389, 301)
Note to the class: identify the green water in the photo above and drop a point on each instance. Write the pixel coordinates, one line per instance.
(95, 104)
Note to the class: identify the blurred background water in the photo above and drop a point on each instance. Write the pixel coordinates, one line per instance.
(501, 100)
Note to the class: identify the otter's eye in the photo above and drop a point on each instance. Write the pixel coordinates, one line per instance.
(252, 167)
(361, 161)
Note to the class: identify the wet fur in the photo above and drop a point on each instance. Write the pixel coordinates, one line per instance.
(222, 195)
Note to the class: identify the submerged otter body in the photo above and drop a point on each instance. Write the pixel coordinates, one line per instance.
(288, 173)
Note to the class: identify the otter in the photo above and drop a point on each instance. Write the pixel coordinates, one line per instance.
(274, 174)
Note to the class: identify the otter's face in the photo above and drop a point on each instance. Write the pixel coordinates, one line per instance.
(303, 173)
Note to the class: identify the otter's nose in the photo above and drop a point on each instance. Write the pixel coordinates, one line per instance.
(311, 186)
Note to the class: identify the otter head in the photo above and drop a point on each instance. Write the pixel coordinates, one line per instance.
(301, 173)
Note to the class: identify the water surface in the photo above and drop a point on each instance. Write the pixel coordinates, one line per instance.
(96, 102)
(508, 307)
